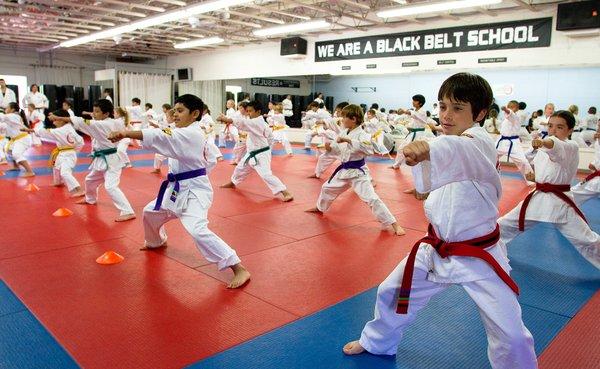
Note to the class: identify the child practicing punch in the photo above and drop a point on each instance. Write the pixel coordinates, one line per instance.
(12, 122)
(186, 194)
(462, 245)
(555, 165)
(353, 145)
(258, 155)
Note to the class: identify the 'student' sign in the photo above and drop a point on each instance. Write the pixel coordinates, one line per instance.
(496, 36)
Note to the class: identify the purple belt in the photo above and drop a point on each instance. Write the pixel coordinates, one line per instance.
(176, 178)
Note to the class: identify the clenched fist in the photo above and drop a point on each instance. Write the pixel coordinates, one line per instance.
(537, 143)
(117, 136)
(416, 152)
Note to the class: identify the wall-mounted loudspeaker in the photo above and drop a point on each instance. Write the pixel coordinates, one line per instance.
(578, 15)
(293, 46)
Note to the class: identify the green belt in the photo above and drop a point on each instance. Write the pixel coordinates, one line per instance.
(252, 154)
(103, 153)
(414, 132)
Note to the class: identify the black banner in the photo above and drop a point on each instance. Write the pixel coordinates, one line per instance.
(496, 36)
(270, 82)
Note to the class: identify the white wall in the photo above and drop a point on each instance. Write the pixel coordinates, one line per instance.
(263, 60)
(562, 86)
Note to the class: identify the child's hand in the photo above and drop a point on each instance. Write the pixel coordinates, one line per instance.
(342, 139)
(505, 110)
(537, 143)
(530, 176)
(117, 136)
(327, 146)
(416, 152)
(596, 135)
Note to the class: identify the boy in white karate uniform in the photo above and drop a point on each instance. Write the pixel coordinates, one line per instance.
(277, 123)
(258, 156)
(353, 145)
(35, 118)
(541, 122)
(122, 118)
(64, 157)
(186, 193)
(13, 122)
(416, 127)
(509, 143)
(309, 121)
(334, 128)
(589, 188)
(68, 107)
(590, 126)
(239, 150)
(229, 132)
(106, 164)
(463, 243)
(136, 116)
(555, 165)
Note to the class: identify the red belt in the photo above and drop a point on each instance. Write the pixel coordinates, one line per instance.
(558, 190)
(592, 176)
(473, 248)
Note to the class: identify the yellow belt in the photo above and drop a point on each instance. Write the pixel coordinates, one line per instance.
(8, 146)
(55, 152)
(277, 128)
(377, 134)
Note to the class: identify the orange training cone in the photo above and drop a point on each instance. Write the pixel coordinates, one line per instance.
(31, 188)
(2, 173)
(110, 257)
(62, 212)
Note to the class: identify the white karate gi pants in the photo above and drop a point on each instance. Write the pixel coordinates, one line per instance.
(575, 229)
(280, 136)
(158, 160)
(111, 178)
(262, 166)
(363, 187)
(324, 161)
(583, 192)
(232, 134)
(517, 155)
(63, 169)
(18, 149)
(195, 221)
(239, 150)
(122, 150)
(510, 344)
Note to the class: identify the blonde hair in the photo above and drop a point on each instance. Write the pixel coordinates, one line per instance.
(278, 108)
(122, 112)
(574, 109)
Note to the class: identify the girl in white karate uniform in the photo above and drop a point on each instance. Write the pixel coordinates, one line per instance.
(309, 121)
(458, 169)
(258, 155)
(591, 124)
(122, 117)
(555, 166)
(541, 122)
(106, 164)
(229, 132)
(14, 122)
(580, 126)
(64, 157)
(277, 124)
(34, 118)
(416, 127)
(509, 143)
(187, 193)
(165, 121)
(353, 145)
(333, 129)
(589, 188)
(207, 124)
(239, 150)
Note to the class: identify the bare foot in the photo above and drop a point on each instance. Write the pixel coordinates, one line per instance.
(241, 276)
(313, 176)
(591, 167)
(394, 167)
(4, 162)
(353, 348)
(373, 183)
(290, 154)
(57, 184)
(124, 218)
(220, 158)
(155, 171)
(228, 185)
(313, 210)
(78, 193)
(84, 202)
(233, 163)
(128, 165)
(398, 231)
(410, 191)
(287, 196)
(27, 174)
(146, 248)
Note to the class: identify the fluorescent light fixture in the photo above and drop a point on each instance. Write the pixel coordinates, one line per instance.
(290, 28)
(199, 42)
(434, 8)
(172, 16)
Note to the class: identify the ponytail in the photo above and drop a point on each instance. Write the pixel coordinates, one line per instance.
(123, 112)
(15, 106)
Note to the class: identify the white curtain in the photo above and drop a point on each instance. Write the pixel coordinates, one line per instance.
(62, 76)
(150, 88)
(211, 93)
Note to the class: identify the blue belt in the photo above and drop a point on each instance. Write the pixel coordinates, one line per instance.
(509, 138)
(355, 164)
(176, 178)
(544, 134)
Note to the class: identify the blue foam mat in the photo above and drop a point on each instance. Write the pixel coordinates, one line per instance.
(448, 332)
(24, 342)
